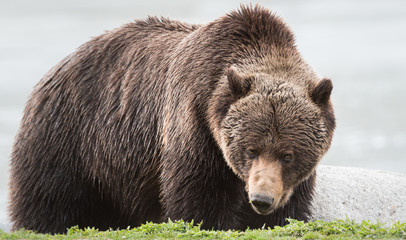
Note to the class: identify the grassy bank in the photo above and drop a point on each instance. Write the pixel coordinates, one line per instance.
(338, 229)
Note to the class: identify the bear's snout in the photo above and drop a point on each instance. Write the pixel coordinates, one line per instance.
(262, 203)
(265, 186)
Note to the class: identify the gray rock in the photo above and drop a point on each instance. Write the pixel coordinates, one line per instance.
(359, 194)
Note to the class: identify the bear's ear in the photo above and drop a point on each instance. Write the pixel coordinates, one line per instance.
(321, 93)
(239, 85)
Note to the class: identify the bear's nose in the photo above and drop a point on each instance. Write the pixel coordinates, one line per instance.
(261, 202)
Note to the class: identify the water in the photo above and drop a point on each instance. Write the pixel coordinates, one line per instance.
(360, 45)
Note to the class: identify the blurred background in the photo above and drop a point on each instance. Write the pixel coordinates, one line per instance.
(359, 44)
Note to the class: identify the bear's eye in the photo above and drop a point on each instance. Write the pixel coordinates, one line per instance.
(251, 154)
(287, 157)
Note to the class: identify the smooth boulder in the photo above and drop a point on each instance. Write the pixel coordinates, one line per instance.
(359, 194)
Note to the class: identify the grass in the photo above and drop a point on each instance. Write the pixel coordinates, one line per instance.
(338, 229)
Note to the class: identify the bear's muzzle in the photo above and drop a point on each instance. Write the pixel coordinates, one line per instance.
(265, 186)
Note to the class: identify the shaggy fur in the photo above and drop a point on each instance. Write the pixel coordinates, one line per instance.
(152, 120)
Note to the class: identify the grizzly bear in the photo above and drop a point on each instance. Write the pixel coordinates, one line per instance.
(222, 123)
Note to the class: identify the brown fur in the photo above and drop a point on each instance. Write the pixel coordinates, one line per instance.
(152, 121)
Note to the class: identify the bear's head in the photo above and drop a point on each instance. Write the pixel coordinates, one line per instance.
(272, 132)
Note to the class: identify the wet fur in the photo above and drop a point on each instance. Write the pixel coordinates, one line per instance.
(123, 131)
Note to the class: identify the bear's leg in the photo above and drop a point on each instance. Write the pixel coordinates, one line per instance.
(47, 201)
(56, 202)
(202, 189)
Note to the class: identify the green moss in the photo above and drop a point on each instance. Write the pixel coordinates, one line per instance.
(338, 229)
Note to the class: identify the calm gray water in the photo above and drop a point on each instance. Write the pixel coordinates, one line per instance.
(360, 45)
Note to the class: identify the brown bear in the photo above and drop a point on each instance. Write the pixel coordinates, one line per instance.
(222, 123)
